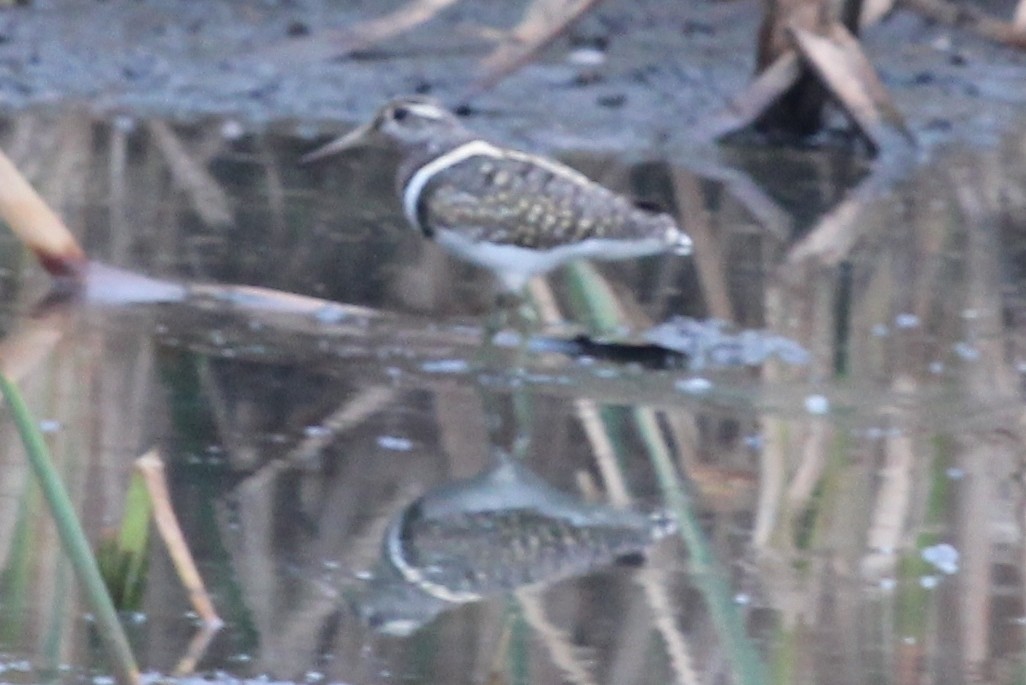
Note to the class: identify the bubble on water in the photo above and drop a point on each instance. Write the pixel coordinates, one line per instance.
(937, 368)
(124, 123)
(906, 321)
(694, 386)
(47, 426)
(316, 431)
(232, 129)
(817, 405)
(392, 442)
(888, 584)
(742, 599)
(507, 339)
(445, 366)
(928, 582)
(943, 557)
(966, 351)
(954, 473)
(586, 57)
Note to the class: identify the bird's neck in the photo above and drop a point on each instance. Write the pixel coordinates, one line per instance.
(416, 156)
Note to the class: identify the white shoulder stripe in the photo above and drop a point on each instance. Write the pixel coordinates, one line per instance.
(411, 193)
(475, 148)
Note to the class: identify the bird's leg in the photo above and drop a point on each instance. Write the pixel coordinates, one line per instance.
(505, 304)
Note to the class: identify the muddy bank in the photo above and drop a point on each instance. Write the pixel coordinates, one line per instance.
(631, 77)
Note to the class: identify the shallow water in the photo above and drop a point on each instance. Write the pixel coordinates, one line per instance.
(855, 517)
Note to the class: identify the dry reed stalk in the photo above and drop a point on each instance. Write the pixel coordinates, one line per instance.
(708, 256)
(562, 651)
(336, 43)
(1019, 18)
(661, 603)
(352, 413)
(892, 505)
(276, 200)
(32, 342)
(195, 650)
(151, 466)
(773, 464)
(204, 192)
(841, 64)
(542, 23)
(38, 227)
(988, 380)
(972, 19)
(618, 494)
(746, 107)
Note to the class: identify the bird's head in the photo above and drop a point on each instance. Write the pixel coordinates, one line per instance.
(405, 122)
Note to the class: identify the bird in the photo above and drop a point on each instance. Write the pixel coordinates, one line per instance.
(504, 529)
(514, 213)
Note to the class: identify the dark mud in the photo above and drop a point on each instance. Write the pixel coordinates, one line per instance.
(631, 77)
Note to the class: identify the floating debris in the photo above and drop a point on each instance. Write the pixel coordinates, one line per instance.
(713, 343)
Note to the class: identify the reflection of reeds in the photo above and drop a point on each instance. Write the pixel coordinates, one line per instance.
(840, 514)
(73, 538)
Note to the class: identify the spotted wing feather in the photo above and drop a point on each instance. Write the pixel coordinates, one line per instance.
(514, 199)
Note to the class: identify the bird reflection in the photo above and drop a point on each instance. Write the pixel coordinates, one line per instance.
(496, 532)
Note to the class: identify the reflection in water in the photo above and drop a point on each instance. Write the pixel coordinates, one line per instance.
(857, 517)
(494, 533)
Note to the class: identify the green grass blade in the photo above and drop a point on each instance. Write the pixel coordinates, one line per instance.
(73, 538)
(596, 302)
(123, 558)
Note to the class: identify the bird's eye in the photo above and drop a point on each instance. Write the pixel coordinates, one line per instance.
(400, 113)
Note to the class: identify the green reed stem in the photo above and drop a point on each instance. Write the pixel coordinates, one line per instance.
(593, 298)
(73, 538)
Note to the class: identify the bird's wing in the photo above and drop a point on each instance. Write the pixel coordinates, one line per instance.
(513, 199)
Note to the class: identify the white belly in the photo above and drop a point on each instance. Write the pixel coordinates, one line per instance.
(515, 265)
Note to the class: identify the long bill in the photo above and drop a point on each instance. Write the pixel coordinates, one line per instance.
(354, 138)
